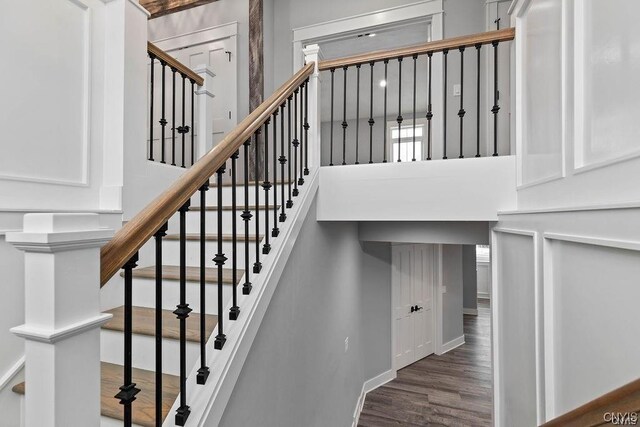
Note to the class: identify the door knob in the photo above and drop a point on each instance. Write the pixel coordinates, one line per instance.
(413, 308)
(418, 308)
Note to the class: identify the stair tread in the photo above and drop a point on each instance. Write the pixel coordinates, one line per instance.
(213, 237)
(144, 406)
(144, 323)
(239, 208)
(172, 272)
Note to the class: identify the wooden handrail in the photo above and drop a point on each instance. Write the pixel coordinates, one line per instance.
(625, 399)
(161, 55)
(488, 37)
(135, 233)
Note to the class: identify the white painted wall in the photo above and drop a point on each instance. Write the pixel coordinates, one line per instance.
(439, 190)
(449, 232)
(575, 139)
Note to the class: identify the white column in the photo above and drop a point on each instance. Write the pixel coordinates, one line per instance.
(312, 54)
(126, 97)
(204, 110)
(62, 318)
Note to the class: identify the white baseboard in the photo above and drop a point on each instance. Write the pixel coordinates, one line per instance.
(454, 343)
(483, 295)
(11, 373)
(369, 385)
(471, 311)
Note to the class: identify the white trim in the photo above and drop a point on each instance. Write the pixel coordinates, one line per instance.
(59, 241)
(470, 311)
(595, 241)
(454, 343)
(484, 295)
(438, 301)
(374, 19)
(370, 385)
(205, 35)
(600, 207)
(209, 401)
(51, 336)
(11, 373)
(540, 324)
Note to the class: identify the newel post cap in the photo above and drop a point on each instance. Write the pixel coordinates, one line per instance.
(52, 232)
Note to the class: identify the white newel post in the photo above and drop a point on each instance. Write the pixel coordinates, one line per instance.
(62, 318)
(204, 110)
(312, 54)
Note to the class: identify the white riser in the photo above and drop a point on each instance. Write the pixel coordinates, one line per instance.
(171, 254)
(144, 294)
(143, 352)
(211, 222)
(112, 422)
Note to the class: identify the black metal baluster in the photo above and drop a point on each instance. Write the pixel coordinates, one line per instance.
(429, 112)
(289, 201)
(306, 129)
(246, 217)
(445, 52)
(128, 390)
(283, 160)
(193, 133)
(344, 119)
(276, 231)
(257, 265)
(371, 121)
(333, 72)
(173, 120)
(303, 133)
(183, 129)
(203, 371)
(296, 142)
(219, 260)
(478, 46)
(266, 186)
(163, 119)
(182, 313)
(495, 108)
(384, 123)
(153, 59)
(158, 317)
(357, 109)
(461, 112)
(399, 119)
(234, 312)
(415, 61)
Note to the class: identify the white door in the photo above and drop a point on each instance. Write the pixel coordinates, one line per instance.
(220, 55)
(413, 284)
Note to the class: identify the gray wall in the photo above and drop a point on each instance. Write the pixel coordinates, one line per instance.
(452, 326)
(297, 372)
(469, 277)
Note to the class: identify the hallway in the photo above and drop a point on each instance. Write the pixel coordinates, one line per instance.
(452, 389)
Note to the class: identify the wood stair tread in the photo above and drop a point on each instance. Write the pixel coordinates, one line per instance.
(213, 237)
(144, 405)
(239, 208)
(144, 323)
(172, 272)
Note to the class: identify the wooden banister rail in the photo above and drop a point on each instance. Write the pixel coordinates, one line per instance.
(163, 56)
(436, 46)
(131, 237)
(621, 401)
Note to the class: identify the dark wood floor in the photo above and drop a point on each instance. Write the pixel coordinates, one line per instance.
(451, 390)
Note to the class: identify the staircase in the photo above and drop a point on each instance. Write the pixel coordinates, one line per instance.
(144, 312)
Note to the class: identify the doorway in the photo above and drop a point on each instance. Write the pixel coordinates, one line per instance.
(414, 277)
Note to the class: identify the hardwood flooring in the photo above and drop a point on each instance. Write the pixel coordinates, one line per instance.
(449, 390)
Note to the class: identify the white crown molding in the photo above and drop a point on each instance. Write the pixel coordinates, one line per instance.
(50, 336)
(60, 241)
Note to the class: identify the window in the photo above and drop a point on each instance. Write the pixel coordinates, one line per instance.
(402, 140)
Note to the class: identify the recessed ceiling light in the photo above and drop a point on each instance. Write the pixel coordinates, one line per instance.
(383, 83)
